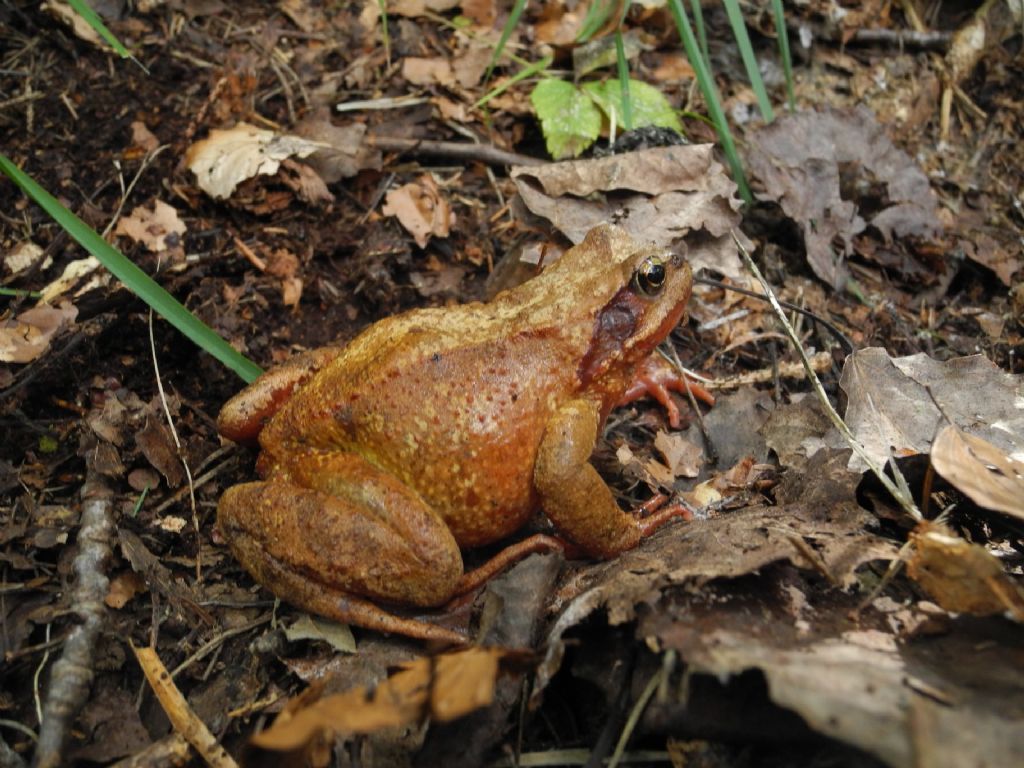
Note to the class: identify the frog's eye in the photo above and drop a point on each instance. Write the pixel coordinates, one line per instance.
(650, 275)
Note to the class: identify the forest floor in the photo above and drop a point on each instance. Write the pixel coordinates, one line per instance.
(770, 630)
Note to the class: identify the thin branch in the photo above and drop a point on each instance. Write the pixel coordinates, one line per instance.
(71, 676)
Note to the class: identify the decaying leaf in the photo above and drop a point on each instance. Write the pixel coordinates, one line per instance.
(891, 408)
(444, 688)
(827, 535)
(657, 195)
(155, 228)
(421, 209)
(28, 335)
(24, 255)
(961, 576)
(421, 71)
(307, 627)
(226, 158)
(64, 13)
(342, 153)
(801, 160)
(987, 475)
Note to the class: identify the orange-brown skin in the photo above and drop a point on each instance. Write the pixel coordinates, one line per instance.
(446, 428)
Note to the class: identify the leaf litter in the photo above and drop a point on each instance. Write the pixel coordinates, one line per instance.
(783, 545)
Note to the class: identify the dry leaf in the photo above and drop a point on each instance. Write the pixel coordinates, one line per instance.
(660, 196)
(153, 227)
(225, 159)
(28, 335)
(419, 71)
(24, 255)
(343, 153)
(123, 588)
(987, 475)
(960, 576)
(72, 274)
(683, 458)
(891, 408)
(67, 15)
(800, 159)
(142, 137)
(306, 183)
(307, 627)
(444, 688)
(421, 209)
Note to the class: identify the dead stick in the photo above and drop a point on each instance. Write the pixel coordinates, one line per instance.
(455, 150)
(72, 675)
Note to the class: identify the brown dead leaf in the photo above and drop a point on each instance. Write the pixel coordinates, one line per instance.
(420, 71)
(306, 183)
(421, 209)
(444, 688)
(226, 158)
(483, 12)
(123, 587)
(469, 66)
(683, 458)
(800, 159)
(891, 406)
(156, 443)
(657, 195)
(988, 476)
(284, 265)
(342, 153)
(960, 576)
(157, 228)
(143, 138)
(65, 14)
(27, 336)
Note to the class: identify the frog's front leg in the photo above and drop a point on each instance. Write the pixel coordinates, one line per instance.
(330, 532)
(575, 498)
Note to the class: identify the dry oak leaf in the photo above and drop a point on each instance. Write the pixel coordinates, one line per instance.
(960, 576)
(988, 476)
(153, 227)
(420, 208)
(226, 158)
(444, 688)
(27, 336)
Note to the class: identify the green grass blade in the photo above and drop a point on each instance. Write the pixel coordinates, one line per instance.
(384, 34)
(134, 278)
(525, 72)
(702, 34)
(90, 17)
(597, 16)
(506, 32)
(739, 31)
(787, 59)
(623, 67)
(710, 92)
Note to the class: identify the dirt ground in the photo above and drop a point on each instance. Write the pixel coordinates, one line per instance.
(769, 631)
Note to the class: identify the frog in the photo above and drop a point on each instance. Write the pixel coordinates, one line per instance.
(449, 428)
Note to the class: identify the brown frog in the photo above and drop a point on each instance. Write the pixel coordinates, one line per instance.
(445, 428)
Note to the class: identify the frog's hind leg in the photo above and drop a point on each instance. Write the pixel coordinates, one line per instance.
(333, 532)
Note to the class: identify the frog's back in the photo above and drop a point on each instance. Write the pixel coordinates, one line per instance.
(448, 401)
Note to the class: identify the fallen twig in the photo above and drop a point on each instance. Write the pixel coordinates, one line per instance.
(455, 150)
(182, 718)
(72, 675)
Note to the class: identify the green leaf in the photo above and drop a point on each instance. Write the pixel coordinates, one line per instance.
(569, 119)
(134, 278)
(650, 107)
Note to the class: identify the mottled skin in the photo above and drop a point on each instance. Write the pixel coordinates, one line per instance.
(446, 428)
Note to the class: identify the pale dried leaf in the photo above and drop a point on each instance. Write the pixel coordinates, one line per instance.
(960, 576)
(336, 635)
(657, 195)
(28, 335)
(228, 157)
(987, 475)
(72, 274)
(142, 137)
(890, 407)
(68, 16)
(421, 209)
(343, 153)
(153, 227)
(683, 458)
(24, 255)
(420, 71)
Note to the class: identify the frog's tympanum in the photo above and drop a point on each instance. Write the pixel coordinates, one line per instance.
(446, 428)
